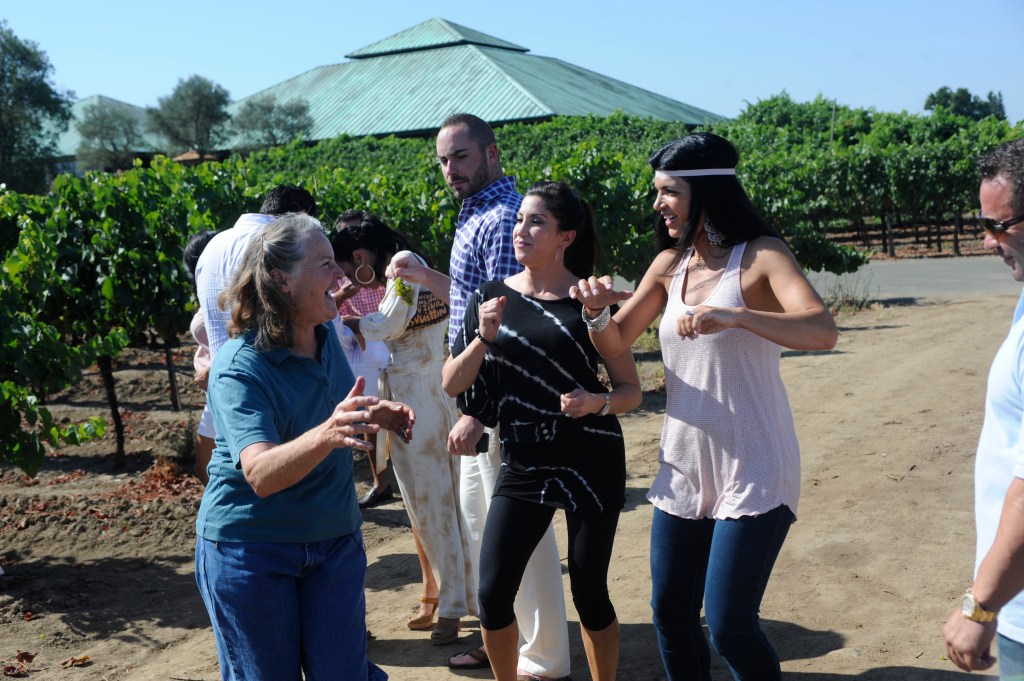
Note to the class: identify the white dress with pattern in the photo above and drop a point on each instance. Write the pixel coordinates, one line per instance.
(428, 477)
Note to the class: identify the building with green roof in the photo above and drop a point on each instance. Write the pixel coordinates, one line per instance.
(408, 83)
(70, 140)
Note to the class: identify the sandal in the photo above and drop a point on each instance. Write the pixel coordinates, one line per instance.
(445, 631)
(480, 660)
(420, 622)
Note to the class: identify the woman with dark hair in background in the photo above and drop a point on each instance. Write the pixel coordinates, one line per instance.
(357, 300)
(732, 295)
(412, 321)
(529, 367)
(280, 561)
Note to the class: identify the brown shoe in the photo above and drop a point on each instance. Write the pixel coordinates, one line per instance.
(420, 622)
(445, 631)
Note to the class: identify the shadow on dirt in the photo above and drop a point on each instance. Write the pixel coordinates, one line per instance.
(89, 597)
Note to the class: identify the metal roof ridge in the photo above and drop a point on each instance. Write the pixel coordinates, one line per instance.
(448, 27)
(104, 99)
(519, 86)
(455, 35)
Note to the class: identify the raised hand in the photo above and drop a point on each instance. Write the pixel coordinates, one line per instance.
(395, 417)
(351, 417)
(406, 267)
(491, 313)
(598, 293)
(346, 290)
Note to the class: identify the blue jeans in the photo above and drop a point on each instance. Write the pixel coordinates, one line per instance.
(280, 609)
(724, 564)
(1011, 659)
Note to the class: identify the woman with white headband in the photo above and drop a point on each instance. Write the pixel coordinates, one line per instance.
(726, 493)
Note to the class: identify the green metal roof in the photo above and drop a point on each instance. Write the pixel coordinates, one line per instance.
(408, 83)
(431, 34)
(68, 142)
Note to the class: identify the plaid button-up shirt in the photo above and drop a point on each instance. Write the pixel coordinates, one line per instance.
(483, 245)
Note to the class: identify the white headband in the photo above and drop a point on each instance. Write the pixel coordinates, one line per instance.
(696, 172)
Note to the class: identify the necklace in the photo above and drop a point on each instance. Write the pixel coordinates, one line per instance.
(700, 264)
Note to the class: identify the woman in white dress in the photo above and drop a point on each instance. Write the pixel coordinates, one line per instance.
(413, 323)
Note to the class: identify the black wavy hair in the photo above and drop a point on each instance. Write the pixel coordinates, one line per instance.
(376, 237)
(721, 197)
(572, 214)
(287, 198)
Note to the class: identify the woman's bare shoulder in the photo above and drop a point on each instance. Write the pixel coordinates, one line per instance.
(767, 251)
(665, 263)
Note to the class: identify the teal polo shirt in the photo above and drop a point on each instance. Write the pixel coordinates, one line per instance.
(276, 396)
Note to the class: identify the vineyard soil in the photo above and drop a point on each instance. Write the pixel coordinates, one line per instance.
(97, 563)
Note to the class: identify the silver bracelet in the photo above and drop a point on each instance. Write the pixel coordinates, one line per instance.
(598, 323)
(607, 404)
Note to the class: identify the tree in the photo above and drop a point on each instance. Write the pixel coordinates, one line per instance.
(33, 113)
(261, 121)
(194, 116)
(111, 135)
(963, 103)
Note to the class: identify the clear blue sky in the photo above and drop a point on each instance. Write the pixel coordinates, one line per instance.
(886, 54)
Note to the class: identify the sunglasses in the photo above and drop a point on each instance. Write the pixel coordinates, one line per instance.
(1000, 226)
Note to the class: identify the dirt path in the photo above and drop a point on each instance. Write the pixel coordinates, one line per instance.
(888, 423)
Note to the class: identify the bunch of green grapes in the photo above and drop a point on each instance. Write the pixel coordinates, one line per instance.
(403, 290)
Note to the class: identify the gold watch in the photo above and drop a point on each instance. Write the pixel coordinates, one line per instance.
(974, 611)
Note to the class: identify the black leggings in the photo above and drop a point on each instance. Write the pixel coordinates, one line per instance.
(512, 532)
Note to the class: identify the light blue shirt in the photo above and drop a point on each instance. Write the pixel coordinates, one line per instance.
(1001, 455)
(276, 396)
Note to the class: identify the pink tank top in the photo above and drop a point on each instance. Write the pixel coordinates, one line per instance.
(728, 445)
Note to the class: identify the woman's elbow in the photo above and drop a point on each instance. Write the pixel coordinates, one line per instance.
(830, 340)
(259, 484)
(448, 383)
(820, 333)
(828, 334)
(260, 488)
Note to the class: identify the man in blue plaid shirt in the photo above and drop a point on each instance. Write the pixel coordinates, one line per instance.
(468, 155)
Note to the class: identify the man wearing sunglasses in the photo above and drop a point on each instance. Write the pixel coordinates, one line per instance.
(994, 606)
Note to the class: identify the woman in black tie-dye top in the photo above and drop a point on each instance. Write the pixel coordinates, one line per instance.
(529, 367)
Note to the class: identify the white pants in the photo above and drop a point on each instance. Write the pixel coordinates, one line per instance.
(540, 603)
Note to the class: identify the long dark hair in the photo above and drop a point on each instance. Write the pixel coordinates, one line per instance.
(572, 213)
(376, 237)
(721, 196)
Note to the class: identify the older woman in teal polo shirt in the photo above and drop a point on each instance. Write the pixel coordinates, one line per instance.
(279, 555)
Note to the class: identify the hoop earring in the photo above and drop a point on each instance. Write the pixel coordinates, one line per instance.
(559, 255)
(373, 275)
